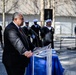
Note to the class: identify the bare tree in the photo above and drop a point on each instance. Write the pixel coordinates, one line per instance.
(65, 7)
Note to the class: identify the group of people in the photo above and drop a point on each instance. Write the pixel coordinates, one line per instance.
(19, 42)
(39, 36)
(33, 32)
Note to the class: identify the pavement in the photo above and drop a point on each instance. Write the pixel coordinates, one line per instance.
(68, 61)
(66, 56)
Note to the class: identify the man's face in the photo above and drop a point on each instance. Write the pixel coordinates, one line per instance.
(27, 24)
(35, 23)
(20, 20)
(49, 24)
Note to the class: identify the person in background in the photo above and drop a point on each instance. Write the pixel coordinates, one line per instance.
(75, 36)
(26, 29)
(1, 36)
(36, 28)
(47, 34)
(17, 47)
(75, 30)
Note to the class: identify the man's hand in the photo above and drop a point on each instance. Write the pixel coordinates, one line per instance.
(28, 54)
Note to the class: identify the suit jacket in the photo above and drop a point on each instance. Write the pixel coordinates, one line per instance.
(14, 46)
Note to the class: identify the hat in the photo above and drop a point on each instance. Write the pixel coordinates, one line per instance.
(48, 20)
(26, 21)
(35, 20)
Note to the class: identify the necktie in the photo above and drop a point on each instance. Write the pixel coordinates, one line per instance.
(23, 36)
(20, 30)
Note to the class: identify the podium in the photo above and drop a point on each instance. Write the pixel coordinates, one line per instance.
(42, 56)
(44, 62)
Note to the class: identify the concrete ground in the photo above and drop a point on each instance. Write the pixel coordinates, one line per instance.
(67, 55)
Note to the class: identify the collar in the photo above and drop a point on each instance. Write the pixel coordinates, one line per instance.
(16, 25)
(49, 27)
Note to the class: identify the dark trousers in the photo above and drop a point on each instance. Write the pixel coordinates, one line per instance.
(52, 44)
(12, 70)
